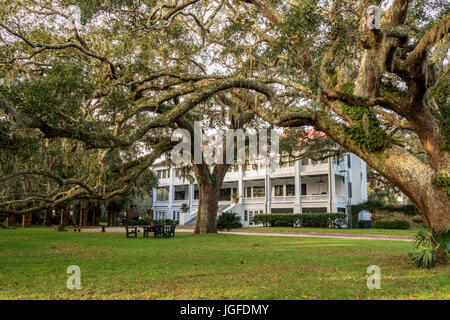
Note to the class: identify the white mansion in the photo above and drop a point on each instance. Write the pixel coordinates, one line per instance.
(302, 186)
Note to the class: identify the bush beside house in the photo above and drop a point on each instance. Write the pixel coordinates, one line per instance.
(380, 212)
(229, 220)
(391, 224)
(313, 220)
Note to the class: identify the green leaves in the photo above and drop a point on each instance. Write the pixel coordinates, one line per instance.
(442, 181)
(423, 256)
(55, 97)
(427, 245)
(228, 220)
(366, 128)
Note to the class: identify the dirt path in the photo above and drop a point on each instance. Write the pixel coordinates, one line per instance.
(277, 233)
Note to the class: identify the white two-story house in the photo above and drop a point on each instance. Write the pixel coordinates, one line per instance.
(302, 186)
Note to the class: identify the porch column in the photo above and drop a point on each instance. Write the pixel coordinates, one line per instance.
(347, 200)
(154, 191)
(297, 181)
(333, 190)
(330, 185)
(190, 195)
(241, 184)
(268, 192)
(171, 194)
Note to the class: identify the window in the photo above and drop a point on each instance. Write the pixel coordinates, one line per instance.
(304, 189)
(245, 215)
(278, 191)
(259, 192)
(225, 194)
(290, 190)
(160, 215)
(349, 161)
(248, 192)
(162, 194)
(196, 193)
(181, 192)
(349, 189)
(250, 217)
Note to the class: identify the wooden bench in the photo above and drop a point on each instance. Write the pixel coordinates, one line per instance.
(131, 231)
(159, 230)
(164, 231)
(169, 230)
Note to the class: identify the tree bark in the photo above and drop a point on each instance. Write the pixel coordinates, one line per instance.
(208, 205)
(405, 171)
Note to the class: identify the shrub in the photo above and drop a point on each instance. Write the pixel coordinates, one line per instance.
(428, 246)
(229, 220)
(316, 220)
(393, 224)
(375, 206)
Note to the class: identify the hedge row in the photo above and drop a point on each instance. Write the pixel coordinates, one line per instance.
(393, 224)
(373, 205)
(317, 220)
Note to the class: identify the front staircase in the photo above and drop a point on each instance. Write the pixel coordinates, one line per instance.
(193, 219)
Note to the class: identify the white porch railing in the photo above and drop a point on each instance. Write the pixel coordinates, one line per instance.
(254, 200)
(314, 198)
(279, 199)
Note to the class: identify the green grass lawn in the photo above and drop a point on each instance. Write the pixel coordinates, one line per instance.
(33, 264)
(328, 230)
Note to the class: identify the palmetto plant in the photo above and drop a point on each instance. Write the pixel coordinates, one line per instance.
(428, 246)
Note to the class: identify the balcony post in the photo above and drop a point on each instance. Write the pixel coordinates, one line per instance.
(331, 186)
(297, 187)
(241, 184)
(154, 197)
(267, 192)
(171, 194)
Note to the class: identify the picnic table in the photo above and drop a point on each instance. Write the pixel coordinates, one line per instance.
(159, 230)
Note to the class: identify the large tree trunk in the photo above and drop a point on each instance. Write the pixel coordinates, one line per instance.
(208, 205)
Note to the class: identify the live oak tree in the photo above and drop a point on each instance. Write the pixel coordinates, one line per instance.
(76, 100)
(379, 90)
(382, 93)
(227, 111)
(111, 88)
